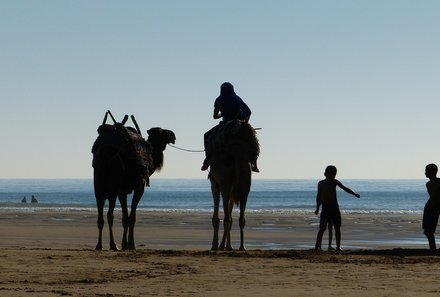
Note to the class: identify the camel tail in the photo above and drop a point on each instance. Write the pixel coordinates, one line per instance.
(235, 183)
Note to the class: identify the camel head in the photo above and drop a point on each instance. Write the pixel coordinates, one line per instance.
(159, 138)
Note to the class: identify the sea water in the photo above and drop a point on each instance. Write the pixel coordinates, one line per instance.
(194, 195)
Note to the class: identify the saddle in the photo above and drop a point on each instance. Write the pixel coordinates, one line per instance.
(124, 144)
(224, 136)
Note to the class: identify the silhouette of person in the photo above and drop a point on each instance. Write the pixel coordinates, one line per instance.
(24, 199)
(34, 200)
(228, 106)
(431, 211)
(327, 197)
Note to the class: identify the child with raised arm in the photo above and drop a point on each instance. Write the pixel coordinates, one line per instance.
(432, 207)
(327, 197)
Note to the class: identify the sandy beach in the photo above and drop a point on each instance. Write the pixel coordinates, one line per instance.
(52, 254)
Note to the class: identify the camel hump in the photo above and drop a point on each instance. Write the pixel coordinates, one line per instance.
(110, 136)
(117, 136)
(235, 133)
(126, 142)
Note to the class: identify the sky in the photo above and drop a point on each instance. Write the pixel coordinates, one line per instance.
(349, 83)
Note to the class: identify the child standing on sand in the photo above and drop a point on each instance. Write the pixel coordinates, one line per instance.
(432, 207)
(326, 197)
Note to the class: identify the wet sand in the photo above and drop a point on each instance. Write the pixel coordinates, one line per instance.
(193, 231)
(52, 254)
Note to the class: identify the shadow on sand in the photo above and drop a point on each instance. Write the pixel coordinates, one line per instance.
(385, 256)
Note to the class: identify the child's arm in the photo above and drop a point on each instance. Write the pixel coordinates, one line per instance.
(318, 201)
(348, 190)
(318, 204)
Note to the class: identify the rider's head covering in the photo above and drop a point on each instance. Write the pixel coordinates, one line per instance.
(227, 89)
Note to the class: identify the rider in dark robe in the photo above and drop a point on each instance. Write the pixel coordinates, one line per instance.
(228, 106)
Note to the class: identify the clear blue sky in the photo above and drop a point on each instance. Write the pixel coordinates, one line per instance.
(350, 83)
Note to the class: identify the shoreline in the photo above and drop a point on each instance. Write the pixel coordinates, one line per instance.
(193, 230)
(52, 207)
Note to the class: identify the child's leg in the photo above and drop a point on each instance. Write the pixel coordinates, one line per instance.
(338, 236)
(431, 240)
(430, 220)
(330, 235)
(319, 238)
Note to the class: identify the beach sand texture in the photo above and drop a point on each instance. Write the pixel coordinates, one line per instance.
(52, 254)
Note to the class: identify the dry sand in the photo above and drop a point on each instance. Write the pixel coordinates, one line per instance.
(51, 254)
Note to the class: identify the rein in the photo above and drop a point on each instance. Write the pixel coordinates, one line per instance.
(186, 150)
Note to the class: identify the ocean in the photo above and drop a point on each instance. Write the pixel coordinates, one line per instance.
(193, 195)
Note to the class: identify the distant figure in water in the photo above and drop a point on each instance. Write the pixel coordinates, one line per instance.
(330, 213)
(432, 207)
(34, 200)
(24, 200)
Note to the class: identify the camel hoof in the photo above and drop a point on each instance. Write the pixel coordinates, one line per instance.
(98, 247)
(242, 249)
(229, 248)
(214, 246)
(114, 247)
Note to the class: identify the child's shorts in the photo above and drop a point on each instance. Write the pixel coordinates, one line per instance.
(430, 217)
(330, 213)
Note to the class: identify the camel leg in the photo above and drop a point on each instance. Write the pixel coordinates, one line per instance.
(227, 224)
(242, 223)
(244, 192)
(100, 205)
(111, 207)
(215, 217)
(228, 237)
(137, 195)
(123, 201)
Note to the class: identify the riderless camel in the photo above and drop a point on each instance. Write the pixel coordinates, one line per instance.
(123, 162)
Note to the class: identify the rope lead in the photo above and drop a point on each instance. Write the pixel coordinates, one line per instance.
(182, 149)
